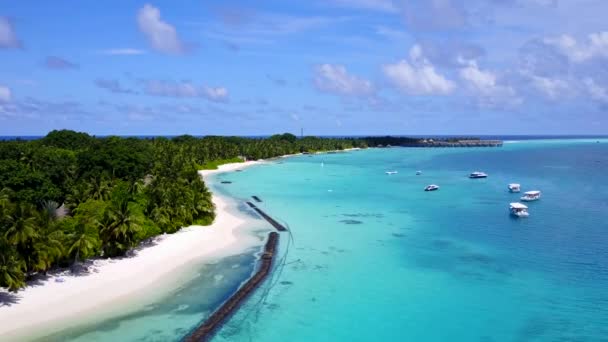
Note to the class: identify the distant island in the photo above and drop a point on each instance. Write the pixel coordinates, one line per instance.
(70, 196)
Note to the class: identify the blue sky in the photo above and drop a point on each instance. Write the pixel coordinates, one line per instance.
(328, 66)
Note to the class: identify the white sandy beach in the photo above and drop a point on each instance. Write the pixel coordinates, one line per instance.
(112, 281)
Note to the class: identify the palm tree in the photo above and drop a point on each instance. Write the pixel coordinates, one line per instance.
(11, 272)
(118, 227)
(136, 187)
(48, 249)
(21, 225)
(48, 246)
(78, 194)
(84, 242)
(5, 206)
(99, 188)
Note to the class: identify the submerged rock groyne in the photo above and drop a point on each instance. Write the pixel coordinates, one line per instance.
(210, 326)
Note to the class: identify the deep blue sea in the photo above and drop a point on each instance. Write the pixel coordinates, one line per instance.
(372, 257)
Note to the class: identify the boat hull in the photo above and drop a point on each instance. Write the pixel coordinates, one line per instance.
(527, 199)
(520, 214)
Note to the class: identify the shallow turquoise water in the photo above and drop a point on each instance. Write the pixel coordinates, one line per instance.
(378, 259)
(372, 257)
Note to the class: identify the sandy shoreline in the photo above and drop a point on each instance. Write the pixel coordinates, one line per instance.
(63, 296)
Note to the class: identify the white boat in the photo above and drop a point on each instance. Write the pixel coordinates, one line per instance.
(391, 172)
(530, 196)
(418, 173)
(519, 209)
(514, 187)
(431, 187)
(478, 174)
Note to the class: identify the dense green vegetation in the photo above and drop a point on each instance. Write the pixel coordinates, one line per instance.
(70, 196)
(214, 164)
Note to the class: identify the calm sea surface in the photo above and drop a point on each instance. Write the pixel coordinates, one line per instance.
(372, 257)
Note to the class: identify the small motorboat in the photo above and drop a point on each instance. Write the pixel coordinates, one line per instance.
(418, 173)
(519, 210)
(478, 174)
(431, 187)
(530, 196)
(391, 172)
(514, 187)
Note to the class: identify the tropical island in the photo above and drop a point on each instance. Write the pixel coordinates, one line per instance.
(69, 196)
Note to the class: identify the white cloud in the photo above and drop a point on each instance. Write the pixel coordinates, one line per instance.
(376, 5)
(185, 90)
(295, 117)
(5, 94)
(335, 79)
(123, 51)
(481, 81)
(596, 91)
(578, 52)
(484, 85)
(161, 35)
(8, 38)
(417, 76)
(553, 88)
(215, 93)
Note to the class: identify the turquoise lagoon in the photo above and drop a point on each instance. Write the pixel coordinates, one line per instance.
(373, 257)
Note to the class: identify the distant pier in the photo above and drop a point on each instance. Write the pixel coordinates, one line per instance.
(206, 330)
(457, 143)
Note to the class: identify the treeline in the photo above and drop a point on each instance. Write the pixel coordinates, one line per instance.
(70, 196)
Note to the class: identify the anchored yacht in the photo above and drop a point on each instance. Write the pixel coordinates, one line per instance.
(514, 187)
(431, 187)
(519, 209)
(478, 174)
(530, 196)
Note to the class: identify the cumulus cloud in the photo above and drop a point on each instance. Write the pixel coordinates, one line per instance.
(8, 37)
(5, 94)
(112, 86)
(417, 76)
(161, 35)
(553, 88)
(123, 51)
(481, 81)
(484, 85)
(449, 53)
(335, 79)
(596, 45)
(58, 63)
(185, 90)
(564, 68)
